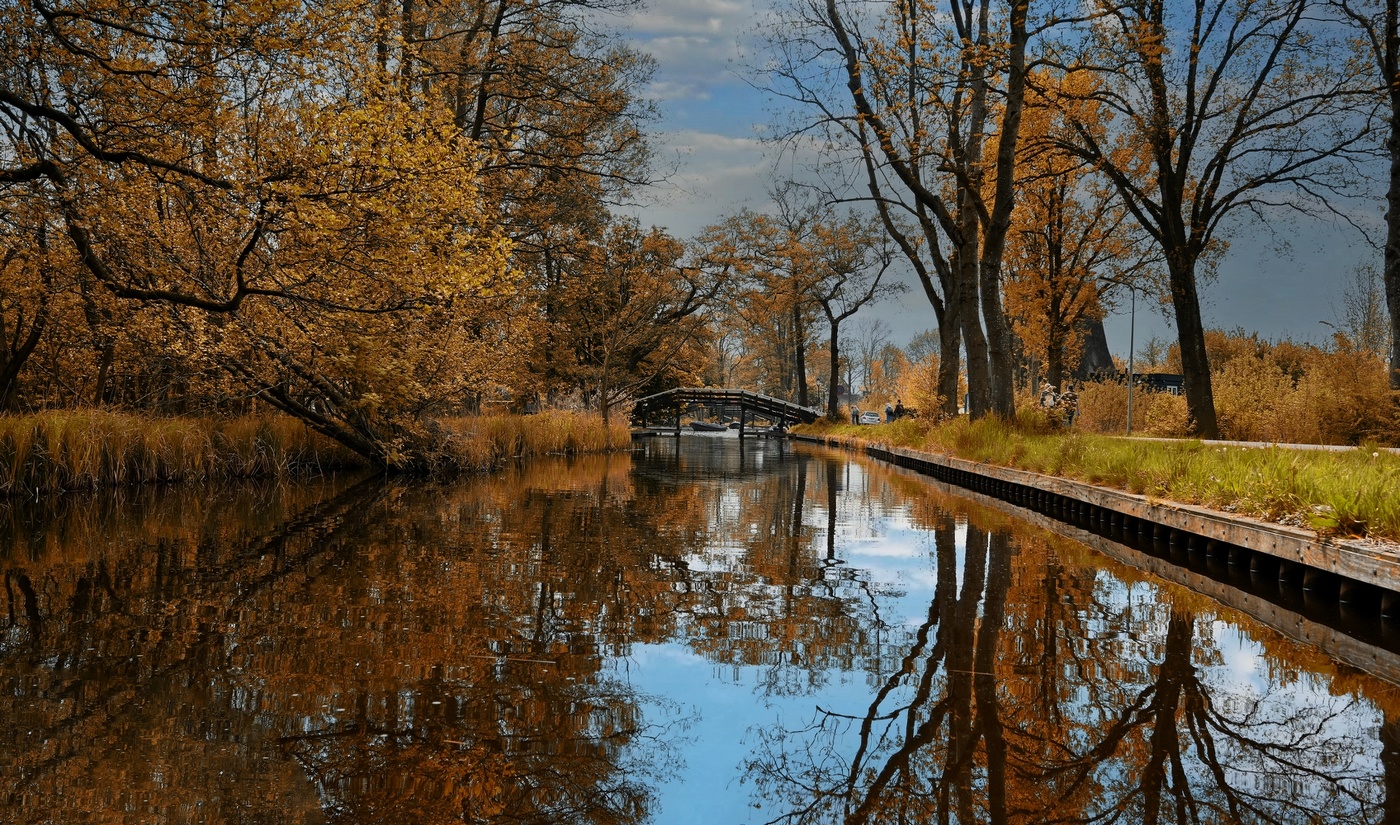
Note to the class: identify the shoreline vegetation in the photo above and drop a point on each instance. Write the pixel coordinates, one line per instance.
(72, 450)
(1352, 493)
(1346, 493)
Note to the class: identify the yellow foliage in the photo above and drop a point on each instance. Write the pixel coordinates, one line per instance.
(918, 387)
(1279, 392)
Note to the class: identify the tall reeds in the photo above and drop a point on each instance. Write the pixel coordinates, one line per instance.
(65, 450)
(60, 451)
(485, 442)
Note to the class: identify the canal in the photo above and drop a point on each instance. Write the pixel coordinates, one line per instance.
(704, 631)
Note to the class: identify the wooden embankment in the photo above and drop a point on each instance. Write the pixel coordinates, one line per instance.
(1344, 568)
(1356, 640)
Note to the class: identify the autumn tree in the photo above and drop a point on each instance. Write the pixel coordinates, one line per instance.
(801, 259)
(635, 309)
(850, 257)
(315, 226)
(926, 99)
(766, 297)
(1204, 111)
(556, 104)
(1072, 243)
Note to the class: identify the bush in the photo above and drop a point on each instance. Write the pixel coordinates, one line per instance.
(1283, 392)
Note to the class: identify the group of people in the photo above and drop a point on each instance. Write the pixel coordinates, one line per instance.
(892, 412)
(1064, 403)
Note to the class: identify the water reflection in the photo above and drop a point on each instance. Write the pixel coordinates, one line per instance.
(376, 653)
(583, 641)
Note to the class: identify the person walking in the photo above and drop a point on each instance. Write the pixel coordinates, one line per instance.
(889, 412)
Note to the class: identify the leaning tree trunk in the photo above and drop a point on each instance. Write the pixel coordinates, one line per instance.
(12, 363)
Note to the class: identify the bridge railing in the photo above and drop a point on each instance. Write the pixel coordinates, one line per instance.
(725, 395)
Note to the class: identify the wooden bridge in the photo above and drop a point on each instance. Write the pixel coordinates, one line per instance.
(745, 405)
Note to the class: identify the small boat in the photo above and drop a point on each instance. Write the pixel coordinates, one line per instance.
(707, 427)
(734, 425)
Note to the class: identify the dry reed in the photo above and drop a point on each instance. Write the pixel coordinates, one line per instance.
(485, 442)
(65, 450)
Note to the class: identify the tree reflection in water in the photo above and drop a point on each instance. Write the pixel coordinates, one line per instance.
(1081, 703)
(376, 653)
(396, 653)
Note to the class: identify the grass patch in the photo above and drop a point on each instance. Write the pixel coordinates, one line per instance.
(1353, 492)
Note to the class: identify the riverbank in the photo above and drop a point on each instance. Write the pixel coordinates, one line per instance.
(66, 450)
(1349, 493)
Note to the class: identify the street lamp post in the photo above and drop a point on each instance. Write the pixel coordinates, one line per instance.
(1132, 322)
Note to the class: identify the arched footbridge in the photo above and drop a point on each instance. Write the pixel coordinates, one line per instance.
(741, 405)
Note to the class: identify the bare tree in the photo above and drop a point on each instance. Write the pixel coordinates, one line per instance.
(1379, 24)
(928, 98)
(1362, 316)
(1215, 109)
(869, 339)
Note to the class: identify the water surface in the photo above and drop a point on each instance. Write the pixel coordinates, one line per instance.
(700, 632)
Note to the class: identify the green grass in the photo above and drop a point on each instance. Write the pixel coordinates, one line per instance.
(1353, 492)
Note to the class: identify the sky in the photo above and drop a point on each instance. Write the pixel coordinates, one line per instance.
(1282, 280)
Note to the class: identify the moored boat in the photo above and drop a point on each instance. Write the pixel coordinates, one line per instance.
(707, 427)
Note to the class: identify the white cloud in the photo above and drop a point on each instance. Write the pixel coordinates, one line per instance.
(716, 175)
(662, 17)
(695, 44)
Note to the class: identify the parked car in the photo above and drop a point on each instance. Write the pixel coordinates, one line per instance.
(870, 417)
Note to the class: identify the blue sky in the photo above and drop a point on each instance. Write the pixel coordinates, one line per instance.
(710, 132)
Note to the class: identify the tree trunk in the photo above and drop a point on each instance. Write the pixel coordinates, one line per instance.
(949, 358)
(835, 362)
(1195, 364)
(1391, 265)
(14, 362)
(105, 352)
(799, 348)
(979, 396)
(1000, 350)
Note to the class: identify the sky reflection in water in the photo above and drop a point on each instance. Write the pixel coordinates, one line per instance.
(697, 633)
